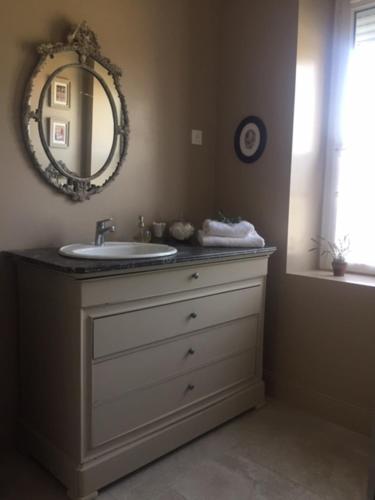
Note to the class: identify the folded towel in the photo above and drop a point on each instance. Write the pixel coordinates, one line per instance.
(216, 228)
(251, 240)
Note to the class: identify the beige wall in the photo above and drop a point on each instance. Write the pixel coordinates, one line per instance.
(319, 348)
(315, 21)
(257, 73)
(319, 334)
(167, 50)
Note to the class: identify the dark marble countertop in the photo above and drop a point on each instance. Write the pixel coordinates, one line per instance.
(50, 258)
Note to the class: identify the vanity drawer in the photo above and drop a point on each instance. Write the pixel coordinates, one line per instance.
(112, 378)
(117, 333)
(135, 409)
(141, 285)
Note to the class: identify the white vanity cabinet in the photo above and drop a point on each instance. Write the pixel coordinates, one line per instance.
(117, 370)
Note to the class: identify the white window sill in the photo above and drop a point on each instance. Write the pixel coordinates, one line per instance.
(349, 278)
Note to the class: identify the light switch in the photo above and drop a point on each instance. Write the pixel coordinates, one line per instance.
(197, 137)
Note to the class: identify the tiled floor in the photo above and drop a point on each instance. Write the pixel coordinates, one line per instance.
(276, 453)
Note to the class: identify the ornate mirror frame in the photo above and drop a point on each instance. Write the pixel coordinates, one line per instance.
(84, 42)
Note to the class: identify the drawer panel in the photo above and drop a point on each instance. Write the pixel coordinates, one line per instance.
(112, 334)
(137, 408)
(113, 377)
(155, 283)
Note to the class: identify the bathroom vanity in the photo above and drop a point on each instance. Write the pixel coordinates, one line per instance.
(123, 361)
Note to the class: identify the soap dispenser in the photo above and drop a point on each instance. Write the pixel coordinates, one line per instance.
(143, 235)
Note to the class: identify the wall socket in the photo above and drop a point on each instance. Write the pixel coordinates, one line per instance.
(197, 137)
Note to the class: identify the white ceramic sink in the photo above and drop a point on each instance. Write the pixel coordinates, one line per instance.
(117, 250)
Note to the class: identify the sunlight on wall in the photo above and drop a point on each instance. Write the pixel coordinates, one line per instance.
(304, 109)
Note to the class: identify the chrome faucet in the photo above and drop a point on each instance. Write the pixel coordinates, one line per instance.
(101, 229)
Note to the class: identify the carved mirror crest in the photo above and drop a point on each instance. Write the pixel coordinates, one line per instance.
(75, 119)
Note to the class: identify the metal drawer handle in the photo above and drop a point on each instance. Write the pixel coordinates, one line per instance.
(195, 276)
(191, 351)
(190, 387)
(193, 315)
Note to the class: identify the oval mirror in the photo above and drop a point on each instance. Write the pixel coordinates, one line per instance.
(75, 119)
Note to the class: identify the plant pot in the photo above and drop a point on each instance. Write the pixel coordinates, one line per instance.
(339, 268)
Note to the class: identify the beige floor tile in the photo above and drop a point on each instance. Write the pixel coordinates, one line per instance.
(228, 479)
(276, 453)
(309, 451)
(23, 478)
(264, 483)
(211, 481)
(150, 481)
(171, 494)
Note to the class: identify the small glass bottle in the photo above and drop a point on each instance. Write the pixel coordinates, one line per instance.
(143, 235)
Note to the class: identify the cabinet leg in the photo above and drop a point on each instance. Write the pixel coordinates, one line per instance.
(90, 496)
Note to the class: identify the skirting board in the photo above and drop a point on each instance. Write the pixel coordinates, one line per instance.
(340, 412)
(91, 476)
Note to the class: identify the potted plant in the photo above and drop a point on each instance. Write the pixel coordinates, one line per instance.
(336, 250)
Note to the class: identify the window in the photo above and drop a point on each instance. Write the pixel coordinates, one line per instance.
(350, 194)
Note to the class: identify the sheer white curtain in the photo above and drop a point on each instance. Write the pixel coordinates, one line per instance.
(350, 197)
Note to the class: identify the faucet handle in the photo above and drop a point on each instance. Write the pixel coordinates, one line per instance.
(101, 223)
(101, 229)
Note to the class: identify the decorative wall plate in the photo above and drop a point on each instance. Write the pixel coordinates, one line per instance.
(250, 139)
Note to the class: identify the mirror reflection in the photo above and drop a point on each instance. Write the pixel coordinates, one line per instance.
(78, 124)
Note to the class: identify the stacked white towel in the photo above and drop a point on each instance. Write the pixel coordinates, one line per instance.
(220, 234)
(216, 228)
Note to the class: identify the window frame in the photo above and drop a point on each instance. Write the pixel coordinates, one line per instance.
(343, 37)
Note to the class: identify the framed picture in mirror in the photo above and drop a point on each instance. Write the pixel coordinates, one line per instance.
(60, 93)
(58, 133)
